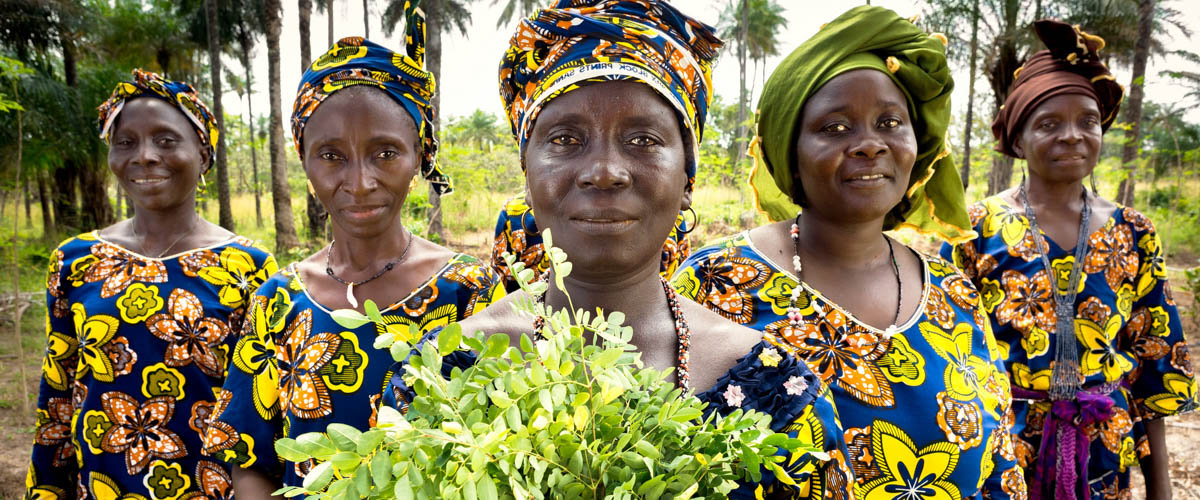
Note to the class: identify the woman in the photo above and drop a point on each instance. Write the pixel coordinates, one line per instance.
(364, 128)
(517, 233)
(608, 126)
(852, 127)
(1054, 262)
(142, 315)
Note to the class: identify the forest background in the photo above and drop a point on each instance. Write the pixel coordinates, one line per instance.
(59, 59)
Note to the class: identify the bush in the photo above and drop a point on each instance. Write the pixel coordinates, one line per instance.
(561, 417)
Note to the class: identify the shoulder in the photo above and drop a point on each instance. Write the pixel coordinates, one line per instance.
(70, 248)
(499, 317)
(257, 250)
(1130, 216)
(469, 272)
(737, 244)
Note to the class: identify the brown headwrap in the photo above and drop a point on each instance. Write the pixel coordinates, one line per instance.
(1070, 65)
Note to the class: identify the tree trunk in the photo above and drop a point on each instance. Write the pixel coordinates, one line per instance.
(93, 196)
(285, 228)
(16, 277)
(313, 209)
(1000, 77)
(48, 230)
(1133, 110)
(329, 17)
(28, 203)
(66, 204)
(433, 60)
(253, 141)
(120, 198)
(367, 17)
(966, 159)
(214, 57)
(740, 138)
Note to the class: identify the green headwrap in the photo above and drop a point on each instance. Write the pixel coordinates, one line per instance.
(866, 37)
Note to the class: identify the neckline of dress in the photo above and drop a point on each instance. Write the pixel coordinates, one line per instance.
(1020, 212)
(295, 271)
(912, 320)
(96, 234)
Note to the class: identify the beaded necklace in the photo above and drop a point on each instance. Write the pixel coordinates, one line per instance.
(793, 312)
(351, 284)
(1066, 377)
(683, 334)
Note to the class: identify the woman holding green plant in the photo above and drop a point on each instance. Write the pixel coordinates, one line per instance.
(1075, 287)
(363, 127)
(141, 315)
(852, 128)
(607, 101)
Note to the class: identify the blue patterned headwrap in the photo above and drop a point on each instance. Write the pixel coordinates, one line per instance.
(182, 95)
(579, 42)
(403, 76)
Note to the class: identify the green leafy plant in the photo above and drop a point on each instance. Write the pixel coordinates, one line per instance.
(572, 415)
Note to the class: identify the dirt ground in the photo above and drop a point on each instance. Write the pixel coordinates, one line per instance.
(16, 424)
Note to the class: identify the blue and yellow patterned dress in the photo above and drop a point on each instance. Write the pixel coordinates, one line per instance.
(768, 380)
(295, 370)
(1131, 341)
(135, 357)
(925, 413)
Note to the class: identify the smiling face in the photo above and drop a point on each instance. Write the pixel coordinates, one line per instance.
(1061, 138)
(361, 151)
(856, 147)
(156, 155)
(605, 171)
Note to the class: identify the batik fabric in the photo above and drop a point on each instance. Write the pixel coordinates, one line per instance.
(925, 412)
(295, 370)
(402, 76)
(517, 233)
(582, 42)
(134, 364)
(179, 94)
(767, 379)
(1131, 343)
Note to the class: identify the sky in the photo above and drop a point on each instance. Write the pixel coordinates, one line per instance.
(469, 75)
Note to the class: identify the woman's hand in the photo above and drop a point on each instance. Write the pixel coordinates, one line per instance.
(250, 484)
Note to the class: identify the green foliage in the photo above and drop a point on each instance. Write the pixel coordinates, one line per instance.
(1191, 283)
(572, 415)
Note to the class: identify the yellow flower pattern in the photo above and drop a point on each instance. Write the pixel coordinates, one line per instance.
(1125, 325)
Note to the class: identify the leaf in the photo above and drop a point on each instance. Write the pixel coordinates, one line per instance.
(344, 437)
(289, 449)
(349, 318)
(345, 461)
(687, 414)
(486, 489)
(647, 449)
(403, 490)
(500, 399)
(373, 311)
(318, 477)
(449, 339)
(368, 441)
(381, 469)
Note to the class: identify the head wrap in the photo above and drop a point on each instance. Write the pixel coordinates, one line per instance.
(403, 77)
(1070, 65)
(871, 38)
(182, 95)
(580, 42)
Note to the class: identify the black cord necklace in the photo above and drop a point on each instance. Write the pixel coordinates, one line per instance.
(351, 284)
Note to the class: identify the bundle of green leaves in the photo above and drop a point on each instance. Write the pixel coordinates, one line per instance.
(572, 415)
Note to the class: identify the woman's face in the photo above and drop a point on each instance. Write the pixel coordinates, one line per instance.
(605, 171)
(361, 151)
(1061, 138)
(856, 147)
(156, 155)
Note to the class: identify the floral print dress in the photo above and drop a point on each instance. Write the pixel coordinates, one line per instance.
(925, 413)
(767, 379)
(135, 357)
(1126, 324)
(295, 370)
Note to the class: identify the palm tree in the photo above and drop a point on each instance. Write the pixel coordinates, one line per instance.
(285, 228)
(214, 57)
(478, 129)
(327, 7)
(440, 16)
(367, 19)
(246, 25)
(753, 26)
(520, 8)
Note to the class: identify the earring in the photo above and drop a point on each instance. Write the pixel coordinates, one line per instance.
(203, 184)
(311, 190)
(526, 229)
(685, 229)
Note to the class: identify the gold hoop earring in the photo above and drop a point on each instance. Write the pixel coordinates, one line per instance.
(311, 191)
